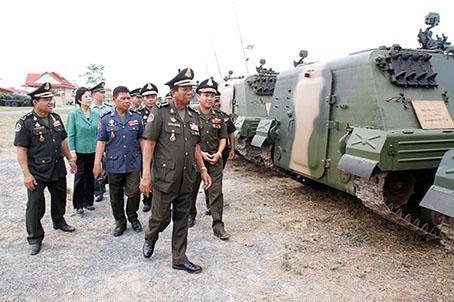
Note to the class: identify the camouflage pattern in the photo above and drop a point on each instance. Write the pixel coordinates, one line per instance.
(349, 120)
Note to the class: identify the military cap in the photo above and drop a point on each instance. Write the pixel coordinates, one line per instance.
(217, 96)
(43, 91)
(99, 87)
(135, 92)
(168, 96)
(207, 85)
(183, 78)
(149, 89)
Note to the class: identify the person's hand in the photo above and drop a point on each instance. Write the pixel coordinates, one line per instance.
(213, 158)
(30, 182)
(146, 185)
(72, 165)
(97, 170)
(206, 178)
(205, 155)
(232, 154)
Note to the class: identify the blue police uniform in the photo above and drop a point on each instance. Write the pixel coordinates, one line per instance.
(123, 162)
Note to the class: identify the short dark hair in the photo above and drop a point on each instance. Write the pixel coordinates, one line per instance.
(118, 90)
(79, 93)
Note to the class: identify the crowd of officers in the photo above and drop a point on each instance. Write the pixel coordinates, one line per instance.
(162, 149)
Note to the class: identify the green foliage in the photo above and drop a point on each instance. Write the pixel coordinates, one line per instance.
(94, 74)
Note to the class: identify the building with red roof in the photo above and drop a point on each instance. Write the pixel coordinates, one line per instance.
(63, 88)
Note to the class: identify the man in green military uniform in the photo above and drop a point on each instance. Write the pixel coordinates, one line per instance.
(172, 145)
(213, 132)
(149, 93)
(136, 100)
(98, 94)
(41, 144)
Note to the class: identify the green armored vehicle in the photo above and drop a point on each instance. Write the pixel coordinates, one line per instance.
(377, 124)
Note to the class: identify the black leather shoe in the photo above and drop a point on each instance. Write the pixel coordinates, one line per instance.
(146, 207)
(35, 248)
(189, 267)
(208, 212)
(64, 227)
(99, 197)
(118, 231)
(148, 249)
(221, 234)
(136, 226)
(90, 208)
(191, 222)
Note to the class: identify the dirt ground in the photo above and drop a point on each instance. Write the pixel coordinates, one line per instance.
(290, 242)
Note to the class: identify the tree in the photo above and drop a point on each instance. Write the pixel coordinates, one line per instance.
(94, 74)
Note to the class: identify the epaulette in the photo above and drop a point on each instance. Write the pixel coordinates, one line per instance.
(56, 115)
(105, 113)
(218, 112)
(26, 116)
(193, 110)
(162, 104)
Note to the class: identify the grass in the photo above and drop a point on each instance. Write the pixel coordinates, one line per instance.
(7, 108)
(8, 122)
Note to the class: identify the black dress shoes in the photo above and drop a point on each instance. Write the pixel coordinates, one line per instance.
(64, 227)
(136, 226)
(147, 249)
(189, 267)
(35, 248)
(90, 208)
(221, 234)
(146, 207)
(119, 229)
(191, 222)
(208, 212)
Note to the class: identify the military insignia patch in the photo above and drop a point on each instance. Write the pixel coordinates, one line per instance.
(41, 138)
(47, 86)
(194, 127)
(149, 86)
(173, 120)
(210, 82)
(56, 123)
(172, 137)
(188, 73)
(111, 122)
(18, 127)
(150, 118)
(217, 121)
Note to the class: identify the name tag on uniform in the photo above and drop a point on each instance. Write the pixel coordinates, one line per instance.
(133, 123)
(173, 124)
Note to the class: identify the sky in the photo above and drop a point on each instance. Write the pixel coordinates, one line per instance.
(147, 41)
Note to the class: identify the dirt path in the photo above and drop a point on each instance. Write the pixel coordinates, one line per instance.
(290, 242)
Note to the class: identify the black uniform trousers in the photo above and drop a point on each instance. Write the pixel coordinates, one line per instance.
(84, 181)
(119, 185)
(36, 207)
(215, 196)
(160, 219)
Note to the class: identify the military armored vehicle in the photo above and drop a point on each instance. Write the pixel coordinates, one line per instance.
(15, 100)
(377, 124)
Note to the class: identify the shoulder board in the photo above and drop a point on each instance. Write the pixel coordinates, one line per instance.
(218, 112)
(162, 104)
(109, 105)
(26, 116)
(56, 115)
(105, 113)
(193, 110)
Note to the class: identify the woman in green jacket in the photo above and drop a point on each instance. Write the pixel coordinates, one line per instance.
(82, 127)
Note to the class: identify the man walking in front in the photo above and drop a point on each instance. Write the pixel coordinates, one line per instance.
(41, 144)
(172, 145)
(120, 136)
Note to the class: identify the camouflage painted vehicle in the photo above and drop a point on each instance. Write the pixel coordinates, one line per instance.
(15, 100)
(377, 124)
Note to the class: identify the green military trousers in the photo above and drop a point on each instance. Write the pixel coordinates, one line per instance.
(36, 207)
(214, 194)
(160, 219)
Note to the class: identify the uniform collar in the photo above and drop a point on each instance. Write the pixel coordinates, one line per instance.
(114, 115)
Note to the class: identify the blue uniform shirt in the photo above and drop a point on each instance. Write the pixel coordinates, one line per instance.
(122, 148)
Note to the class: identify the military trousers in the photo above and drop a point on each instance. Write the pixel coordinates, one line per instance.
(119, 185)
(36, 207)
(214, 194)
(160, 219)
(84, 181)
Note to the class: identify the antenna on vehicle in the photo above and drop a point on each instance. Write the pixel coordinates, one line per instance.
(241, 38)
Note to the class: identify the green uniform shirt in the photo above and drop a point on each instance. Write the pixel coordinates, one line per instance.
(212, 129)
(174, 167)
(42, 137)
(82, 131)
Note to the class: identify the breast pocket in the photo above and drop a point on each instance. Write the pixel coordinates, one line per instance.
(165, 171)
(173, 134)
(40, 135)
(43, 164)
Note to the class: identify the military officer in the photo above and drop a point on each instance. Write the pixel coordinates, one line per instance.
(136, 100)
(120, 136)
(229, 150)
(41, 144)
(173, 146)
(213, 133)
(98, 94)
(149, 93)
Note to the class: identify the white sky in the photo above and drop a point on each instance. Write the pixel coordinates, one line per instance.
(141, 41)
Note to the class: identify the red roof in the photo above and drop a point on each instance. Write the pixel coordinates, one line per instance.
(31, 79)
